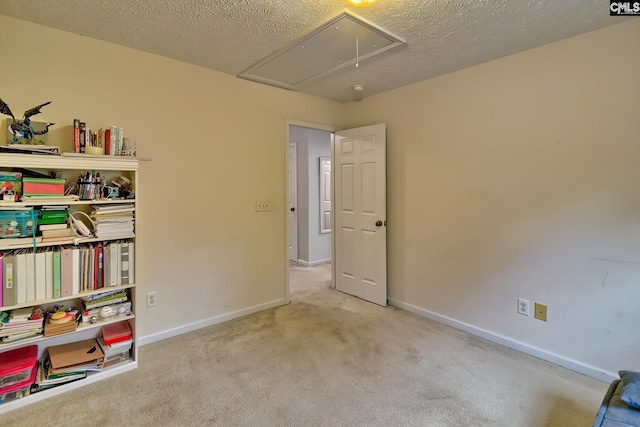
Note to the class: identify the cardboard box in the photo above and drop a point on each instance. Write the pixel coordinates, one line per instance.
(76, 356)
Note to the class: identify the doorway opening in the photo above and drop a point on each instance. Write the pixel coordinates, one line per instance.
(357, 223)
(309, 237)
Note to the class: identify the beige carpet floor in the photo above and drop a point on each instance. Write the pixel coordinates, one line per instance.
(327, 359)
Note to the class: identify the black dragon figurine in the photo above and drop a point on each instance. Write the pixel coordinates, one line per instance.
(22, 129)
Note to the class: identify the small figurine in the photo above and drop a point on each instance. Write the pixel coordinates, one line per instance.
(22, 129)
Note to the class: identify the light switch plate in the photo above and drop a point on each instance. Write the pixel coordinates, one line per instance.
(262, 206)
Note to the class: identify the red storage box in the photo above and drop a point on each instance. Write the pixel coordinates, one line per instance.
(42, 187)
(18, 368)
(116, 332)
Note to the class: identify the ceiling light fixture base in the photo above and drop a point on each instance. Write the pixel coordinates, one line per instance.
(361, 3)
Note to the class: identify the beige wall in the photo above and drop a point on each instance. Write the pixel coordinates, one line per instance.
(521, 178)
(216, 143)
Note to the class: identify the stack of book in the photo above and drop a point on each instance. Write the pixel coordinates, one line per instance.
(61, 322)
(75, 358)
(49, 199)
(56, 232)
(116, 342)
(104, 298)
(21, 324)
(52, 223)
(46, 379)
(113, 220)
(116, 301)
(30, 149)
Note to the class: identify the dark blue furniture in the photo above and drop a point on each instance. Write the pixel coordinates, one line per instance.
(614, 412)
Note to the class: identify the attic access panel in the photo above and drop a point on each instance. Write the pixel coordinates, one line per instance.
(337, 44)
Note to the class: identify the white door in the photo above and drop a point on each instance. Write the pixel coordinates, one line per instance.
(360, 205)
(293, 218)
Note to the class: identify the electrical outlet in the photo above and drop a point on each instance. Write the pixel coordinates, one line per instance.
(262, 206)
(523, 306)
(151, 299)
(540, 312)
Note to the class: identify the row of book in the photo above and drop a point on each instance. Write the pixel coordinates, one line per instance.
(110, 140)
(29, 275)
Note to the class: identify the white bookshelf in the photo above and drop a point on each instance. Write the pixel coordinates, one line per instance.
(70, 167)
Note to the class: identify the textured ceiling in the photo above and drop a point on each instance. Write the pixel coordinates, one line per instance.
(232, 35)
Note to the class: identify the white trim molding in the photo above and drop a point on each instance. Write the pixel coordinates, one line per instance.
(148, 339)
(556, 359)
(312, 263)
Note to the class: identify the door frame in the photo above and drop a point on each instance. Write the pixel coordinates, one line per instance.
(292, 183)
(328, 128)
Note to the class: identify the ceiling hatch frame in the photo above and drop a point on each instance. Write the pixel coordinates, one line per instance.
(331, 39)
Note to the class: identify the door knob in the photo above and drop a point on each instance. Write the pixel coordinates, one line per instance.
(378, 223)
(292, 209)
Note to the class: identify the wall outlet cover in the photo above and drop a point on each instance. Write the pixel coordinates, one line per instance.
(540, 312)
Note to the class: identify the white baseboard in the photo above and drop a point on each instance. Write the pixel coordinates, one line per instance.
(565, 362)
(313, 263)
(148, 339)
